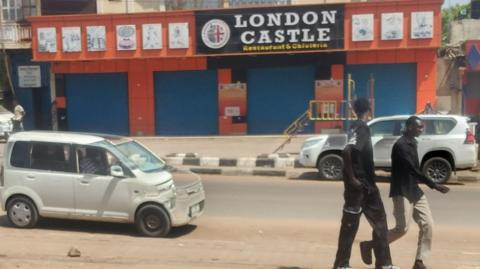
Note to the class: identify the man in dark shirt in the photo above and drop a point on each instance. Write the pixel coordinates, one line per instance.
(408, 199)
(361, 194)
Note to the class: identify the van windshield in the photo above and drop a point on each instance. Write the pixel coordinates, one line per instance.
(140, 157)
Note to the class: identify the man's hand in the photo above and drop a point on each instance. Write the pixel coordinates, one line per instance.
(357, 184)
(441, 188)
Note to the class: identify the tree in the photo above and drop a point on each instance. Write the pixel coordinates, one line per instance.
(453, 13)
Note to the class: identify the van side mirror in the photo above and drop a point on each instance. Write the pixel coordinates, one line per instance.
(116, 171)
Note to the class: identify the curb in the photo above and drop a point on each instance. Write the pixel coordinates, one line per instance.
(280, 161)
(279, 165)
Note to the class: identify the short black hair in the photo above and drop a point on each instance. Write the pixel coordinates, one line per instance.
(412, 121)
(361, 106)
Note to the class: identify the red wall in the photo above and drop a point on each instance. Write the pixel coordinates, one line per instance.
(140, 64)
(419, 51)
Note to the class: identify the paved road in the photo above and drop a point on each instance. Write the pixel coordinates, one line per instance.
(249, 223)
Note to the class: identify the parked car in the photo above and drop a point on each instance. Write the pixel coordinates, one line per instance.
(93, 177)
(448, 143)
(5, 123)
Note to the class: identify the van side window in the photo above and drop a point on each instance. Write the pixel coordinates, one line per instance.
(20, 155)
(51, 156)
(92, 160)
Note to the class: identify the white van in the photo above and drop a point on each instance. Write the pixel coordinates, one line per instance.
(93, 177)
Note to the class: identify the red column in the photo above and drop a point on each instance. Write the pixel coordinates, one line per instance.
(141, 98)
(426, 78)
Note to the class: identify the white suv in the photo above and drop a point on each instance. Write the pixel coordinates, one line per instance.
(447, 144)
(93, 177)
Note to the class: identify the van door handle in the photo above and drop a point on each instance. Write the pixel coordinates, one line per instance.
(85, 182)
(30, 177)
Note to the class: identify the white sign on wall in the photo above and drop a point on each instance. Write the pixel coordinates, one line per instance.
(152, 36)
(47, 39)
(71, 39)
(392, 26)
(362, 27)
(126, 37)
(96, 38)
(29, 76)
(232, 111)
(178, 35)
(422, 25)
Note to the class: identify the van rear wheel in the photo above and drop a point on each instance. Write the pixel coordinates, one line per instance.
(153, 221)
(22, 213)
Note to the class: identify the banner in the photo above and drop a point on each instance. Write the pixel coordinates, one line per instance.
(257, 30)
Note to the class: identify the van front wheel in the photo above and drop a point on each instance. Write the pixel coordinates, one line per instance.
(153, 221)
(22, 213)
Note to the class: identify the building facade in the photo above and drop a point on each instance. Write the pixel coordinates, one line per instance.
(239, 70)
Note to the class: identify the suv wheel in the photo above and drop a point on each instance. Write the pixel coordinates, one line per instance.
(153, 221)
(330, 167)
(22, 213)
(437, 169)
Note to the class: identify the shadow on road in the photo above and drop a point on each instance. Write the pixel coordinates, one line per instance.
(97, 227)
(307, 176)
(291, 267)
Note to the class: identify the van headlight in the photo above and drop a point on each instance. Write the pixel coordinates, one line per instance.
(311, 143)
(170, 203)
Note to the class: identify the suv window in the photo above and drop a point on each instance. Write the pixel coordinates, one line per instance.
(438, 126)
(52, 157)
(20, 154)
(388, 127)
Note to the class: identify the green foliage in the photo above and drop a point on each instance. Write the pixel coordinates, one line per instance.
(453, 13)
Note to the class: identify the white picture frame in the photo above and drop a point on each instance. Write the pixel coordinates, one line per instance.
(126, 37)
(362, 27)
(178, 35)
(96, 38)
(421, 25)
(47, 39)
(71, 39)
(392, 26)
(152, 36)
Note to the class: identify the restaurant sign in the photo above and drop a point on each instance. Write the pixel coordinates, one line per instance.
(256, 30)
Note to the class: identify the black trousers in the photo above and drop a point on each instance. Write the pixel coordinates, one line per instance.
(370, 203)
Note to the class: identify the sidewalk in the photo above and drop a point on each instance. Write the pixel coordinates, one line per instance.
(247, 155)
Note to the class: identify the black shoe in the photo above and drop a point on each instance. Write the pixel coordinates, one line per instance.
(419, 265)
(366, 252)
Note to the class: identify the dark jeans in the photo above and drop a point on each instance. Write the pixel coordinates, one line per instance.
(370, 203)
(17, 126)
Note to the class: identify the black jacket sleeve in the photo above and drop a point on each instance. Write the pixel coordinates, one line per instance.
(401, 154)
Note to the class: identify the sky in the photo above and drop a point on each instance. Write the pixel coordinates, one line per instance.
(448, 3)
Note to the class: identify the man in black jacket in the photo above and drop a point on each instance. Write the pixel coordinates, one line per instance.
(408, 199)
(361, 194)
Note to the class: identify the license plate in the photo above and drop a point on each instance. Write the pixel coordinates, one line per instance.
(194, 210)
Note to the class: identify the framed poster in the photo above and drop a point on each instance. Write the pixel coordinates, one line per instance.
(71, 39)
(152, 36)
(126, 37)
(96, 38)
(422, 25)
(47, 39)
(392, 26)
(362, 27)
(178, 35)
